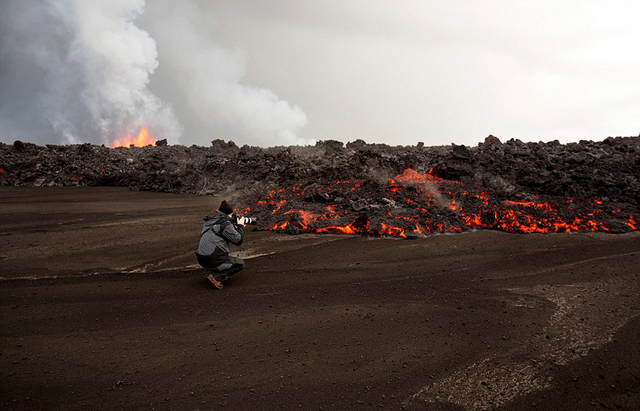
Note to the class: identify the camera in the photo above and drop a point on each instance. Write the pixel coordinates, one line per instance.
(245, 220)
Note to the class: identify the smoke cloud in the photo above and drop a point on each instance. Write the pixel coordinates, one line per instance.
(78, 71)
(206, 82)
(74, 71)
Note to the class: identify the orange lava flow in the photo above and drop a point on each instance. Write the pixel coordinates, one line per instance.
(414, 204)
(143, 139)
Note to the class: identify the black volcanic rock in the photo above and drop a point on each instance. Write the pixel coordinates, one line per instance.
(609, 169)
(490, 142)
(461, 152)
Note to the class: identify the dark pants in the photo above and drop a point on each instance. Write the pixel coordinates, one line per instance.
(221, 271)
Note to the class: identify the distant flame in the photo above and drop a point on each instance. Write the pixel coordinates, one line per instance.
(143, 139)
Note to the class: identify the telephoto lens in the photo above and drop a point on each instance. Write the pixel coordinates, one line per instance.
(246, 220)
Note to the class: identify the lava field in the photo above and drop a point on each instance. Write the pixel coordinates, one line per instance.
(414, 204)
(372, 189)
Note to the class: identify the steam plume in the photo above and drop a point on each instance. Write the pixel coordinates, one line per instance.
(206, 81)
(76, 71)
(79, 72)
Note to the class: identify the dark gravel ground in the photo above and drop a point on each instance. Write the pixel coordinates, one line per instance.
(101, 307)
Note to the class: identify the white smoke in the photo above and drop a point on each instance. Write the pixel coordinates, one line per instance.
(207, 81)
(94, 65)
(76, 71)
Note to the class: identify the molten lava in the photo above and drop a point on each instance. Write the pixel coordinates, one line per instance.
(414, 204)
(143, 139)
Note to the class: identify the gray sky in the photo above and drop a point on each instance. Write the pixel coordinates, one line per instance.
(445, 71)
(275, 72)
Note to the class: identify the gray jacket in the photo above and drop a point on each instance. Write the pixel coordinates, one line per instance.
(217, 233)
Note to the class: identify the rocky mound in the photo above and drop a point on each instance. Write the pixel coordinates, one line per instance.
(605, 175)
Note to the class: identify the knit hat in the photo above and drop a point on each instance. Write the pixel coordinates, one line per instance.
(226, 207)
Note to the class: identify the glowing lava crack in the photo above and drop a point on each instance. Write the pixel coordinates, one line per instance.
(414, 204)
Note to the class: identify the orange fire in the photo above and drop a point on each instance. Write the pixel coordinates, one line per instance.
(322, 208)
(143, 139)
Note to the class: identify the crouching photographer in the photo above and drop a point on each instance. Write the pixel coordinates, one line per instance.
(221, 228)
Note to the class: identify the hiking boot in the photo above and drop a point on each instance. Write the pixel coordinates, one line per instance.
(217, 284)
